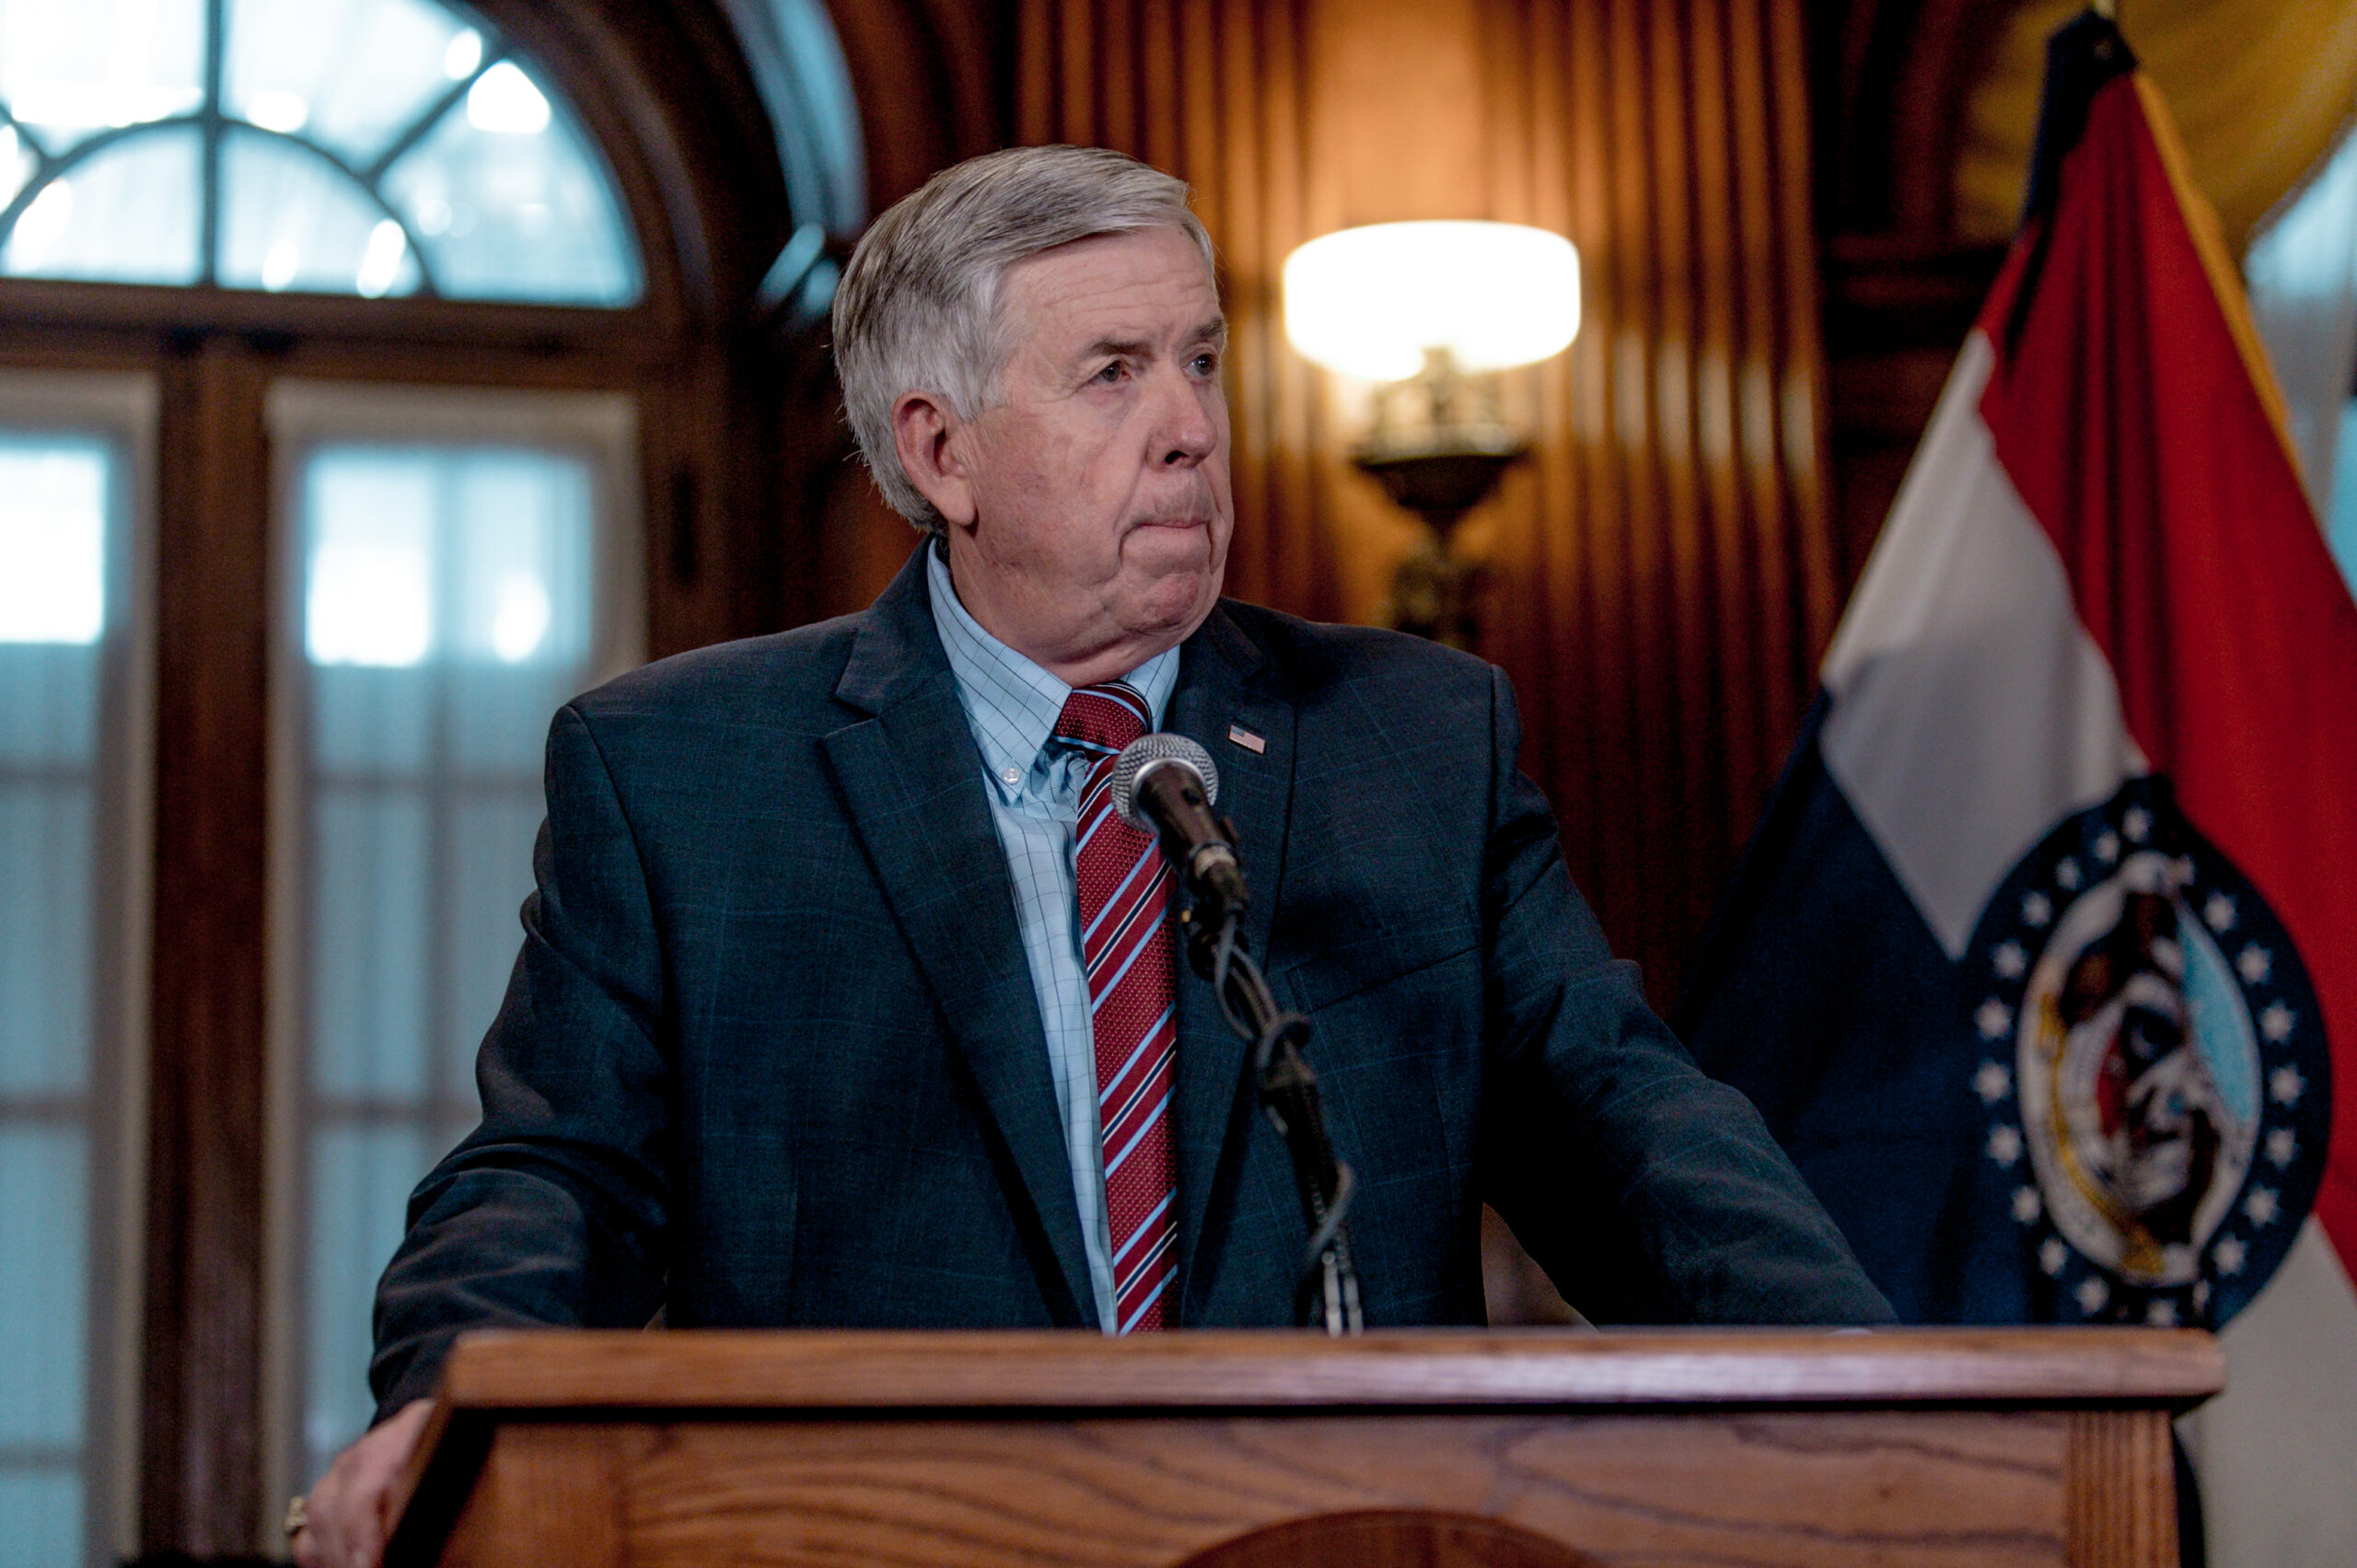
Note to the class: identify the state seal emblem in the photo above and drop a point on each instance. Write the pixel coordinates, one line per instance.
(2154, 1070)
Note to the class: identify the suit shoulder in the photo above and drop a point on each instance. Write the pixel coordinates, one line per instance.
(786, 679)
(1311, 655)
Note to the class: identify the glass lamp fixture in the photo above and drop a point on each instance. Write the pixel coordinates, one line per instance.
(1429, 311)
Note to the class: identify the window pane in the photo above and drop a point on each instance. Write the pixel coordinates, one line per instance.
(369, 720)
(47, 872)
(510, 201)
(491, 865)
(350, 75)
(291, 219)
(127, 214)
(370, 600)
(18, 162)
(44, 1512)
(522, 578)
(52, 540)
(44, 1227)
(360, 1181)
(44, 1185)
(68, 71)
(370, 861)
(49, 704)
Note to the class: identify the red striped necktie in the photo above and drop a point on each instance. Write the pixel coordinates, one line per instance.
(1124, 888)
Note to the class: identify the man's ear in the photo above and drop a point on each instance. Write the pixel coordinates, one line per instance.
(923, 430)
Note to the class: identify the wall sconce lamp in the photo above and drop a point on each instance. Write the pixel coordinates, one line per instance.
(1428, 311)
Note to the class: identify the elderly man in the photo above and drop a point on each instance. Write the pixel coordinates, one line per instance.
(834, 1009)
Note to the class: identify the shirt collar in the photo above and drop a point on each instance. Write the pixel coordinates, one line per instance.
(1011, 703)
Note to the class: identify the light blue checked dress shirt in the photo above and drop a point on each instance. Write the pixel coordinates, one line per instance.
(1034, 783)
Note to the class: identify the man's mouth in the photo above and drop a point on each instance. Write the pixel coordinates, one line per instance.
(1189, 520)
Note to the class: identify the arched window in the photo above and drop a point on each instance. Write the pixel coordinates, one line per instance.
(340, 147)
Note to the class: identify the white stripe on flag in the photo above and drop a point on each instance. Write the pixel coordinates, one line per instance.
(1959, 669)
(2273, 1449)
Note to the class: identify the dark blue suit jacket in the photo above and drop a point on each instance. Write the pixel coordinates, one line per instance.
(771, 1054)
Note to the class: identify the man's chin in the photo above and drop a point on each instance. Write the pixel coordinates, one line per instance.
(1174, 602)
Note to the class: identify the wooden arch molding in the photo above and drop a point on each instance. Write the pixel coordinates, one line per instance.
(1891, 82)
(928, 76)
(1890, 85)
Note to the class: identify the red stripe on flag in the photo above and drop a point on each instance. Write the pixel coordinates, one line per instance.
(2126, 415)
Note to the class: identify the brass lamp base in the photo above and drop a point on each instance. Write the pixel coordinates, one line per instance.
(1436, 596)
(1439, 465)
(1440, 475)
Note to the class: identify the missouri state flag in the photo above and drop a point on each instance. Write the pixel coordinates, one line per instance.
(2043, 964)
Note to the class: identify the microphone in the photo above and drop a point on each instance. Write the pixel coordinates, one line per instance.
(1166, 784)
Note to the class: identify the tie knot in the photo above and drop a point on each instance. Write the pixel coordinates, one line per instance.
(1103, 718)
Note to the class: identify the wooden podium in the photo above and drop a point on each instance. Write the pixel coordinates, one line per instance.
(1248, 1450)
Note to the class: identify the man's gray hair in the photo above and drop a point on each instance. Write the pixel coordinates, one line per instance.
(918, 308)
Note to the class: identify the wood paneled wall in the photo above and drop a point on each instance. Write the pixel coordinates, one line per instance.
(1662, 577)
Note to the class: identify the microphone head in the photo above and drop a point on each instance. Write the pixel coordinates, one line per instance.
(1169, 750)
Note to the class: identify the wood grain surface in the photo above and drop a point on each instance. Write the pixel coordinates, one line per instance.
(1785, 1488)
(721, 1370)
(201, 1456)
(1001, 1450)
(2120, 1482)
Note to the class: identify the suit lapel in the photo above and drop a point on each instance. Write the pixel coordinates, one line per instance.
(910, 779)
(1221, 685)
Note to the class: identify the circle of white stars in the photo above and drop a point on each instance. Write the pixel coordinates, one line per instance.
(2260, 1207)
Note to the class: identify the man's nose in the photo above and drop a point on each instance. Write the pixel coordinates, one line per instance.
(1187, 432)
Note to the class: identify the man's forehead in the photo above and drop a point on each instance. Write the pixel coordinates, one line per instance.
(1141, 285)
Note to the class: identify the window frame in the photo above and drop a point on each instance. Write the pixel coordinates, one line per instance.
(302, 413)
(120, 408)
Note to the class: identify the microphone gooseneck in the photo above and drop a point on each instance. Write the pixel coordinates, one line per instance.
(1166, 785)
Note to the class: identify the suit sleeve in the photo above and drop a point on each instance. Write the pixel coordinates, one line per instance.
(1649, 1193)
(554, 1211)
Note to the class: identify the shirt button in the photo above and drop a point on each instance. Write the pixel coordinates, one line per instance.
(1012, 776)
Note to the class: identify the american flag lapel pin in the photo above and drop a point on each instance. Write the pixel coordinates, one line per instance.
(1246, 739)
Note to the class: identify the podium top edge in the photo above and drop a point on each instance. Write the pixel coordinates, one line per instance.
(782, 1371)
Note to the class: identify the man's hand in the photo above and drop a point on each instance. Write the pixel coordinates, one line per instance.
(345, 1517)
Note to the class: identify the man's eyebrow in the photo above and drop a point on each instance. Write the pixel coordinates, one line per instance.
(1213, 331)
(1117, 346)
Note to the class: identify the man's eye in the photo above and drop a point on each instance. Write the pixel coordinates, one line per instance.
(1206, 364)
(1111, 373)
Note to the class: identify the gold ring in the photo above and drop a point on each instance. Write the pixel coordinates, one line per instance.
(298, 1518)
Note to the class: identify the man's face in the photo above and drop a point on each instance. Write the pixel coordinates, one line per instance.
(1095, 529)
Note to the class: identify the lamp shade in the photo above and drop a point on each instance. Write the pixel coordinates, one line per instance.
(1369, 301)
